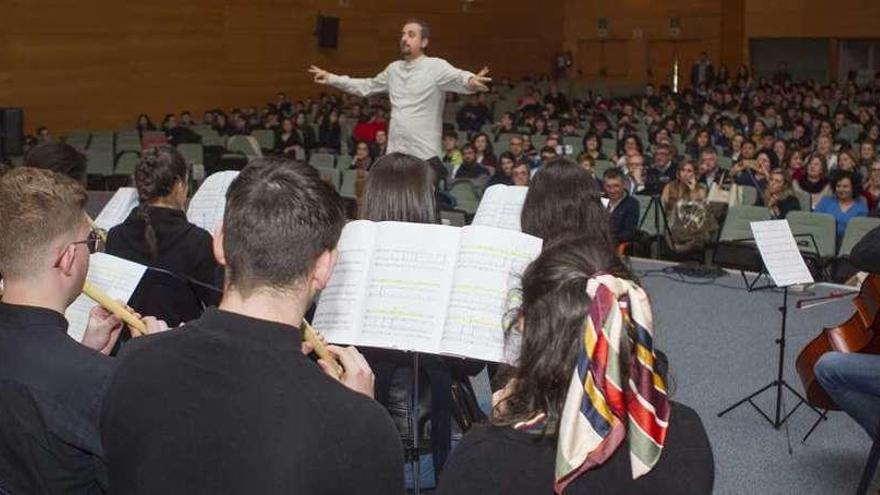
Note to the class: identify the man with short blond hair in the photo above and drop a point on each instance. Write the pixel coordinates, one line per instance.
(51, 386)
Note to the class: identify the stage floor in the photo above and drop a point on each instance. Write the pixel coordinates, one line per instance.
(720, 343)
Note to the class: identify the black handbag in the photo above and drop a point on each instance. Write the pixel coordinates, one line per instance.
(465, 409)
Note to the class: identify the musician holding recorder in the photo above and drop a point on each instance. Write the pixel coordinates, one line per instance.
(50, 386)
(229, 403)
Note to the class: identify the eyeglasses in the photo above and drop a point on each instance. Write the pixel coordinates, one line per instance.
(93, 242)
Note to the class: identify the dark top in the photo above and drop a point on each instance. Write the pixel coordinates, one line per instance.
(184, 249)
(330, 136)
(471, 170)
(625, 219)
(785, 205)
(229, 404)
(50, 390)
(282, 142)
(865, 255)
(500, 460)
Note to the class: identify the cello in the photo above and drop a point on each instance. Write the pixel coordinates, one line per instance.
(860, 333)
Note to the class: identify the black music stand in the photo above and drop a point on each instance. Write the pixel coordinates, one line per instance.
(779, 383)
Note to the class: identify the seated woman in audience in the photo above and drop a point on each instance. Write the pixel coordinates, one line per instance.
(779, 196)
(539, 128)
(699, 143)
(400, 188)
(330, 132)
(563, 199)
(485, 155)
(753, 173)
(503, 172)
(867, 155)
(144, 123)
(794, 165)
(846, 203)
(546, 435)
(304, 132)
(221, 124)
(589, 164)
(592, 146)
(872, 186)
(157, 234)
(286, 142)
(847, 162)
(632, 146)
(815, 180)
(825, 149)
(361, 159)
(691, 226)
(521, 172)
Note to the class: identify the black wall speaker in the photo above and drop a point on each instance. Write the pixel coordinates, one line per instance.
(11, 131)
(327, 31)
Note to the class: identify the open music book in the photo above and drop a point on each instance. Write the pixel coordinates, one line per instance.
(118, 208)
(208, 204)
(501, 206)
(115, 276)
(780, 253)
(426, 288)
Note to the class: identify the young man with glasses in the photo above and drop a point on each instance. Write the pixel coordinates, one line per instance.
(50, 385)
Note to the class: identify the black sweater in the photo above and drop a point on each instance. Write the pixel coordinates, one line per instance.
(499, 460)
(229, 404)
(184, 249)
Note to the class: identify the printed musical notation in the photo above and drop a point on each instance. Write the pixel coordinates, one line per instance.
(118, 208)
(399, 328)
(409, 259)
(501, 207)
(116, 276)
(208, 204)
(780, 253)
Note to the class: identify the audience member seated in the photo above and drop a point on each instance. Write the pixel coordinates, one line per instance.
(473, 115)
(485, 155)
(564, 200)
(539, 416)
(623, 208)
(144, 124)
(846, 203)
(871, 190)
(451, 153)
(469, 168)
(361, 159)
(330, 132)
(592, 146)
(846, 162)
(634, 172)
(503, 172)
(690, 225)
(662, 167)
(779, 196)
(50, 385)
(178, 134)
(815, 181)
(286, 141)
(305, 133)
(753, 173)
(520, 174)
(157, 234)
(589, 164)
(380, 145)
(400, 188)
(58, 157)
(183, 412)
(710, 173)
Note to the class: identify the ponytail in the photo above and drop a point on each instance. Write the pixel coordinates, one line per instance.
(160, 169)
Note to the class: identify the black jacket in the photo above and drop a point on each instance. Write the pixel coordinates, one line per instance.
(184, 249)
(625, 219)
(866, 254)
(229, 404)
(50, 398)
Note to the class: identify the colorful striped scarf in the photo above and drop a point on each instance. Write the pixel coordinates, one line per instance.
(600, 411)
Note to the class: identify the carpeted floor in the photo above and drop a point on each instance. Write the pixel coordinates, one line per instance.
(720, 343)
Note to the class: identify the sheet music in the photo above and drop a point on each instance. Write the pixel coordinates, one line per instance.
(116, 276)
(118, 208)
(501, 207)
(780, 253)
(490, 264)
(208, 204)
(409, 286)
(341, 303)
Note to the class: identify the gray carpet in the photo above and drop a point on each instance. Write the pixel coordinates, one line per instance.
(720, 342)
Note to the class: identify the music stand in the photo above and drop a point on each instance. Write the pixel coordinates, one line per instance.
(782, 261)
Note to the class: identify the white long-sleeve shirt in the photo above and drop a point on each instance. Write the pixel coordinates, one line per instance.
(417, 93)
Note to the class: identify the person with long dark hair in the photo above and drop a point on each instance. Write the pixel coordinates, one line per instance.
(566, 420)
(157, 234)
(401, 188)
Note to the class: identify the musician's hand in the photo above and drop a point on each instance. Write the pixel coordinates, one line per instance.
(358, 376)
(308, 348)
(154, 325)
(102, 330)
(321, 75)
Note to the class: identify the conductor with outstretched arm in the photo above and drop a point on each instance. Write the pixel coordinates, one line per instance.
(416, 86)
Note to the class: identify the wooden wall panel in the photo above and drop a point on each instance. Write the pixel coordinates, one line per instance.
(98, 63)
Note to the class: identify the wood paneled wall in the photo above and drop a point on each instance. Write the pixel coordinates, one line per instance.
(98, 63)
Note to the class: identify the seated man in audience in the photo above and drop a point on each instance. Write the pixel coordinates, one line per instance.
(230, 403)
(623, 208)
(473, 115)
(634, 180)
(50, 385)
(469, 168)
(451, 153)
(662, 167)
(710, 173)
